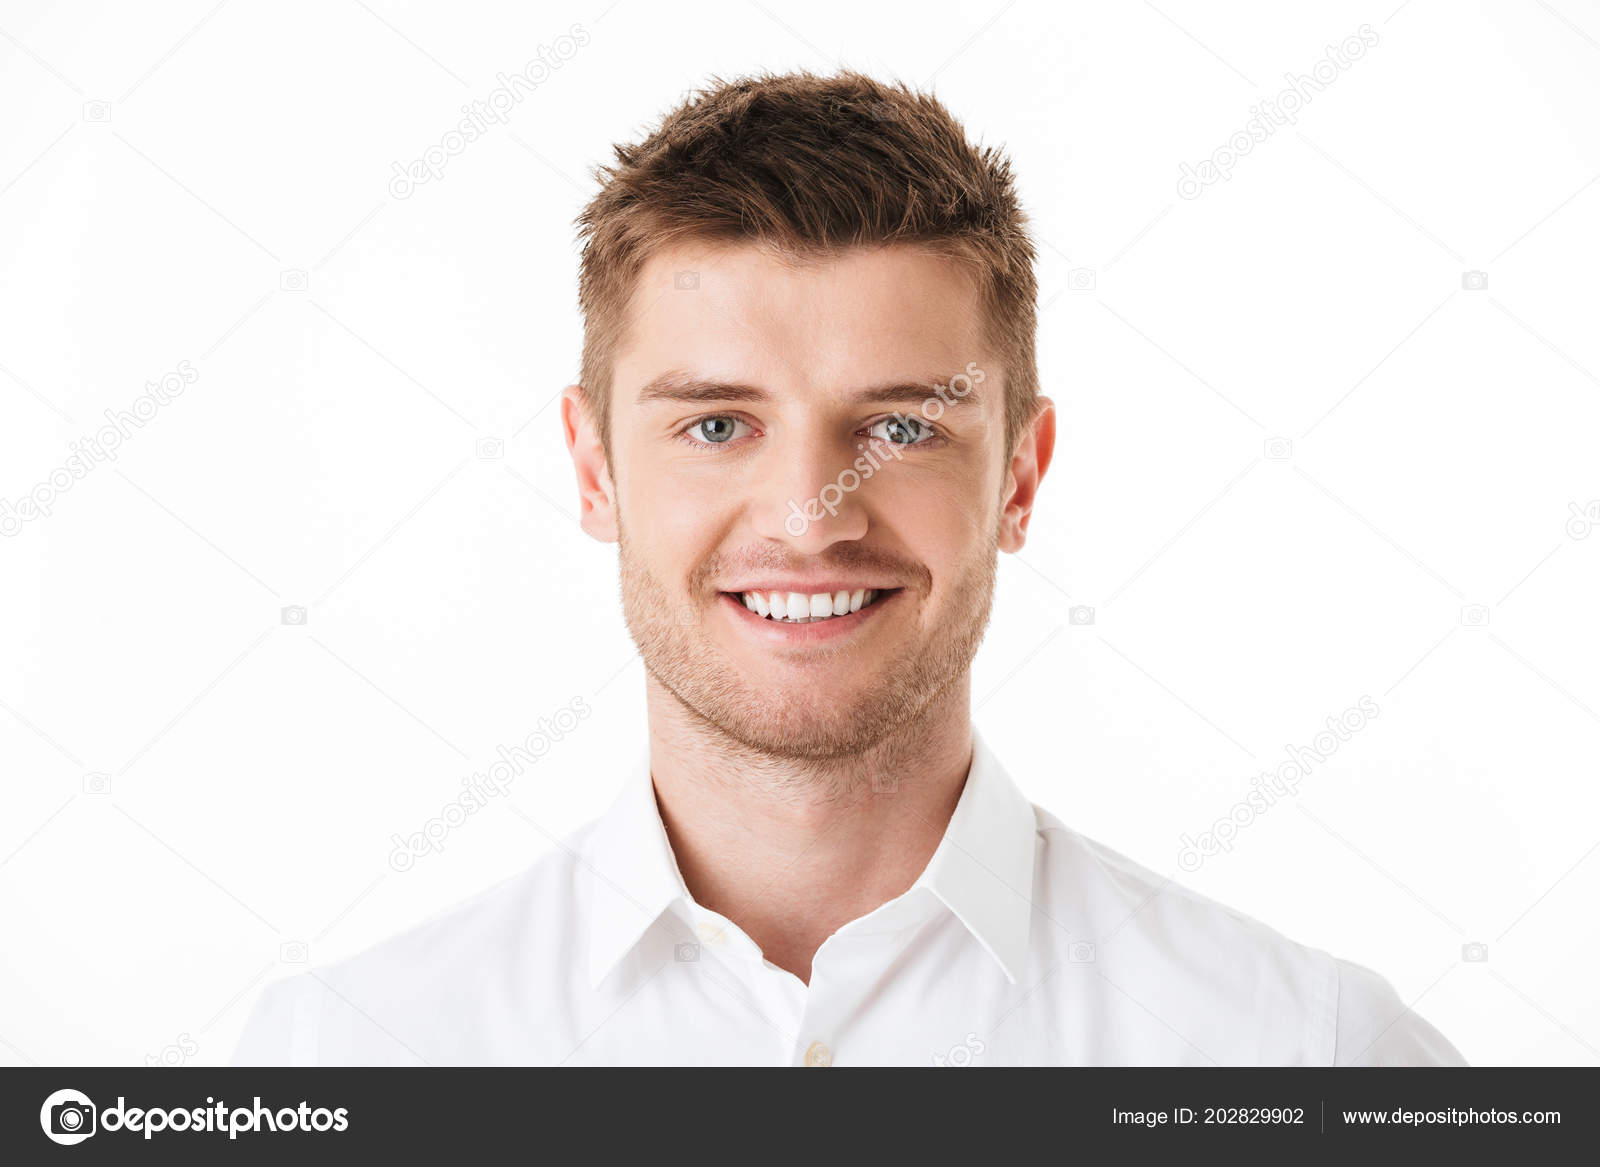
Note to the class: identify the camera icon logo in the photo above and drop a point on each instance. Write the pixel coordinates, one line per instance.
(686, 281)
(97, 783)
(1475, 952)
(1475, 616)
(885, 783)
(292, 952)
(294, 614)
(490, 449)
(1081, 279)
(1080, 952)
(97, 111)
(686, 953)
(1278, 449)
(1475, 281)
(68, 1117)
(1080, 614)
(294, 280)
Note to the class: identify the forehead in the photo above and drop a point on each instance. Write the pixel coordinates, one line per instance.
(853, 318)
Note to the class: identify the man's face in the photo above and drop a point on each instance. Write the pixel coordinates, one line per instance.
(776, 437)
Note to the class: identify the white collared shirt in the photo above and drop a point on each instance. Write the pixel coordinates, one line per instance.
(1022, 943)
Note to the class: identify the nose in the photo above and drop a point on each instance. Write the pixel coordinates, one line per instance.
(809, 497)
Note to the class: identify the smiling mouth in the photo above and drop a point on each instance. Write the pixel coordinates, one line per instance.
(800, 608)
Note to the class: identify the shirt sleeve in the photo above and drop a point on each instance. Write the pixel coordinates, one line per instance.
(281, 1029)
(1377, 1028)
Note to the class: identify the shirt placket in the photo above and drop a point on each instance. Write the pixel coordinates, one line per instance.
(847, 969)
(774, 999)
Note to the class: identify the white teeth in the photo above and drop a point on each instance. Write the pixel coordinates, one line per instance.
(799, 608)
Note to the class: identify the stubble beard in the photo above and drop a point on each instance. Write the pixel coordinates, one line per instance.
(888, 701)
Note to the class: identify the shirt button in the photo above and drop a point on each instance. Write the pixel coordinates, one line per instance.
(819, 1055)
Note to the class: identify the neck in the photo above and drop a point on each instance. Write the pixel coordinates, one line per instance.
(791, 849)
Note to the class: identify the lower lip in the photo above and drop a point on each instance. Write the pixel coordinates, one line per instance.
(812, 632)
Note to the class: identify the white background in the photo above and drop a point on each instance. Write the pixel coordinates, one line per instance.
(252, 772)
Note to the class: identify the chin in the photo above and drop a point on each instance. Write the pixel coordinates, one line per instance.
(816, 721)
(808, 733)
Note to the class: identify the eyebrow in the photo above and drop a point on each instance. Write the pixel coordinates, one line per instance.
(683, 387)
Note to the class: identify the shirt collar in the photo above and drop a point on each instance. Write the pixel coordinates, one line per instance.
(982, 870)
(634, 874)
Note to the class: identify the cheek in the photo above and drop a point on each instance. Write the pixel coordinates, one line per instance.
(946, 490)
(670, 515)
(675, 510)
(936, 520)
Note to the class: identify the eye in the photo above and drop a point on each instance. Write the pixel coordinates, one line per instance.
(901, 430)
(715, 431)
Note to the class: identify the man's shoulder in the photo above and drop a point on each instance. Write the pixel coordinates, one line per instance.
(465, 962)
(458, 938)
(1255, 995)
(1124, 896)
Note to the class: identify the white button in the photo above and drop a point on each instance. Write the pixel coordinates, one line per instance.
(819, 1055)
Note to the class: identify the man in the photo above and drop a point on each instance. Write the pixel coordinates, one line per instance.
(809, 416)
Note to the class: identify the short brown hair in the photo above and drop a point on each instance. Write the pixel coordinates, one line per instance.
(806, 165)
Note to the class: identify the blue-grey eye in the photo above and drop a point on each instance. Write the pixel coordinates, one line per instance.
(714, 430)
(902, 430)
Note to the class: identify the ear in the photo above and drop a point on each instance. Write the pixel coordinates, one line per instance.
(1028, 465)
(597, 496)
